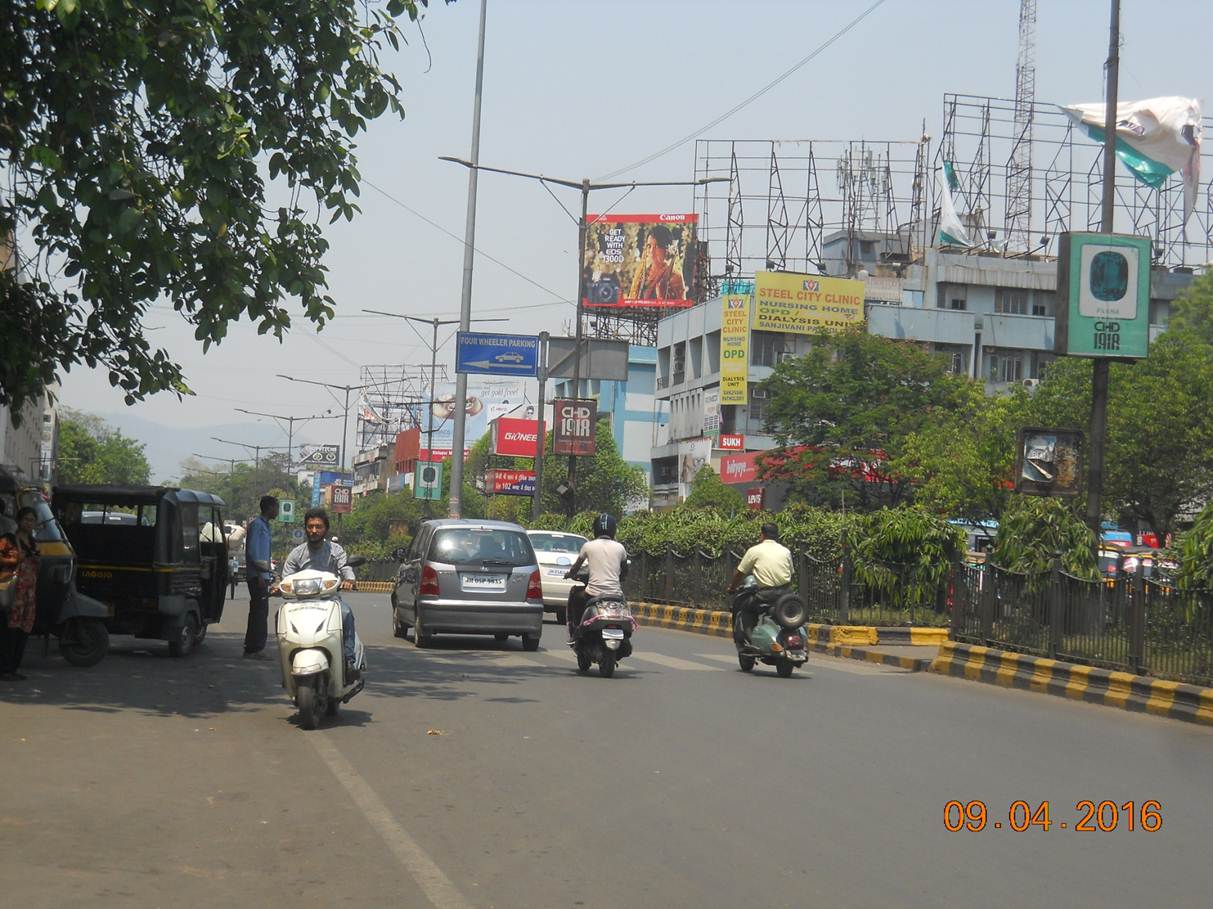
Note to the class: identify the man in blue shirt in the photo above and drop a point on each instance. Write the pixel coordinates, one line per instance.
(260, 577)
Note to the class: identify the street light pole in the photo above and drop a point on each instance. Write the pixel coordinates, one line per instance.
(231, 462)
(585, 186)
(257, 449)
(290, 431)
(455, 508)
(1099, 366)
(345, 419)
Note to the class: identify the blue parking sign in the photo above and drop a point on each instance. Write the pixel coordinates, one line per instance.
(484, 353)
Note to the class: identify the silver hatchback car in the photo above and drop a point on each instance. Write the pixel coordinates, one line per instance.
(469, 577)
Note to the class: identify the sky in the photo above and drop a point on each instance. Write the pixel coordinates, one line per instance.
(581, 88)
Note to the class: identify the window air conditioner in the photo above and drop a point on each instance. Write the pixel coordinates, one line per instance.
(759, 394)
(1030, 383)
(784, 355)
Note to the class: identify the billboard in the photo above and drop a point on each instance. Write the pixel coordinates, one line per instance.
(427, 480)
(575, 425)
(711, 411)
(488, 401)
(734, 348)
(805, 304)
(740, 468)
(692, 456)
(319, 456)
(1048, 462)
(601, 358)
(504, 482)
(1103, 287)
(639, 261)
(343, 499)
(731, 442)
(516, 438)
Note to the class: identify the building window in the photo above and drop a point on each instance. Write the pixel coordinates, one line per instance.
(1006, 368)
(766, 347)
(952, 296)
(758, 406)
(1011, 301)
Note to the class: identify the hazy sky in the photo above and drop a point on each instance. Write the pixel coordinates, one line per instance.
(579, 88)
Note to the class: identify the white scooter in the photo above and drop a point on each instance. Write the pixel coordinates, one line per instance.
(310, 648)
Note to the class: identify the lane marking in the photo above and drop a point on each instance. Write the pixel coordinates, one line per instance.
(814, 662)
(437, 887)
(670, 662)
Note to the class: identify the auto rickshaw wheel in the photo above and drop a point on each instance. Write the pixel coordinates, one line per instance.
(84, 642)
(187, 638)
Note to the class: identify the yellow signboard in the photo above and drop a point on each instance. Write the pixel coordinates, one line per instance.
(805, 304)
(734, 348)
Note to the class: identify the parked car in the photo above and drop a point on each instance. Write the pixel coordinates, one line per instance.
(556, 553)
(469, 577)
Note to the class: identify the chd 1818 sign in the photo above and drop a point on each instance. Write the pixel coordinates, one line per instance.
(573, 433)
(1103, 288)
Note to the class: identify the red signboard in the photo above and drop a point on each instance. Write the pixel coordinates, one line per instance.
(343, 499)
(741, 468)
(731, 442)
(502, 481)
(514, 437)
(753, 498)
(433, 455)
(576, 423)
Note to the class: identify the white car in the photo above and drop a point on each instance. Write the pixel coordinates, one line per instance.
(556, 553)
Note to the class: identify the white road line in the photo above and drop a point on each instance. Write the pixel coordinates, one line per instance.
(854, 667)
(670, 662)
(438, 888)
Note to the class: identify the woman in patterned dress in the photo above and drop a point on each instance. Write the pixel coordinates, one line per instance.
(20, 619)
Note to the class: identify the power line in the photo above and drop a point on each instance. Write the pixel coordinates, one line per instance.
(754, 97)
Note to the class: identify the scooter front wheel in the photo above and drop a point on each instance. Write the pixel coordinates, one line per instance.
(308, 698)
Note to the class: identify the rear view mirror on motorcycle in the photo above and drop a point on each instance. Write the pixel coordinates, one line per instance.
(356, 561)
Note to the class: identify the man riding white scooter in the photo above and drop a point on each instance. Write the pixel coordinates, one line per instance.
(608, 565)
(771, 564)
(321, 554)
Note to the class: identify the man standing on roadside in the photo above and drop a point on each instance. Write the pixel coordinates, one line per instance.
(260, 577)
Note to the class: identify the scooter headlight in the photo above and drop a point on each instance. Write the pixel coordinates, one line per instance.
(306, 587)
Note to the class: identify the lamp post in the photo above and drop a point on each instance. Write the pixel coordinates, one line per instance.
(256, 449)
(231, 462)
(290, 431)
(346, 406)
(586, 187)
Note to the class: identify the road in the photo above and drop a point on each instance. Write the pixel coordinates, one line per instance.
(476, 776)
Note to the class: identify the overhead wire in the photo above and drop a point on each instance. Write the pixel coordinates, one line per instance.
(750, 100)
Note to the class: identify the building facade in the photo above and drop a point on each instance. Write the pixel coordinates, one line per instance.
(993, 317)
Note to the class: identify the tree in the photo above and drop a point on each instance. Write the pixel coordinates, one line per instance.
(1192, 312)
(142, 141)
(852, 400)
(605, 481)
(960, 466)
(242, 487)
(92, 452)
(1035, 530)
(380, 523)
(709, 491)
(1159, 455)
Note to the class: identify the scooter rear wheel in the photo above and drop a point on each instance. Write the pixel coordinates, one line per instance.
(785, 668)
(583, 661)
(606, 665)
(745, 662)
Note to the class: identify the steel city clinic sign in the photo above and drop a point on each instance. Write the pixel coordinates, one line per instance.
(805, 304)
(734, 348)
(1103, 286)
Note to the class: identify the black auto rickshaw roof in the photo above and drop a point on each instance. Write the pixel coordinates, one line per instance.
(127, 495)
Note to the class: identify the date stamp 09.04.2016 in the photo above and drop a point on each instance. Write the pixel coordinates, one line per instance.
(1089, 816)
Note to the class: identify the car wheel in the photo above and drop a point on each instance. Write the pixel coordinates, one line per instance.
(421, 637)
(398, 630)
(501, 638)
(562, 616)
(530, 642)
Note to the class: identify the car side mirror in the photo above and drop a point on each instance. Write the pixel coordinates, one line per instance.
(398, 554)
(356, 561)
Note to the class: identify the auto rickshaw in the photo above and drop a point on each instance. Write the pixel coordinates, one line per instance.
(77, 620)
(156, 555)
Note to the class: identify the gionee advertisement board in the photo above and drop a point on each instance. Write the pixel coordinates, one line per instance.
(805, 304)
(514, 437)
(639, 261)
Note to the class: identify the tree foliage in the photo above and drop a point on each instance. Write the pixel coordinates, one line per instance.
(92, 452)
(904, 554)
(145, 140)
(242, 487)
(709, 491)
(1035, 530)
(852, 397)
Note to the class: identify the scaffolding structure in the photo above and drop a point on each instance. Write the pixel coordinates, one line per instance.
(396, 400)
(787, 200)
(1017, 204)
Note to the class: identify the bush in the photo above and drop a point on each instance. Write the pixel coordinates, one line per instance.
(1034, 530)
(904, 554)
(1196, 553)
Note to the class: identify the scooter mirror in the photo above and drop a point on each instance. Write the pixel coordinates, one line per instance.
(356, 561)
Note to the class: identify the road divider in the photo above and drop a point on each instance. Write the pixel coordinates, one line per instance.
(1136, 693)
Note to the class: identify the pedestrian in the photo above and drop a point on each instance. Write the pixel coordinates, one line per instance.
(260, 570)
(19, 618)
(233, 574)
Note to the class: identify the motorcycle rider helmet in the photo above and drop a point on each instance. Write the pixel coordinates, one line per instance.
(604, 525)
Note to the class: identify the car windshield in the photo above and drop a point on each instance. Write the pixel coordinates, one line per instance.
(481, 546)
(556, 542)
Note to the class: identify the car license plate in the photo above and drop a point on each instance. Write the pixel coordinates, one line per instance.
(556, 572)
(484, 582)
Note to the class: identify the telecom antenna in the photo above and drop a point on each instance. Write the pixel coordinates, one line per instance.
(1019, 167)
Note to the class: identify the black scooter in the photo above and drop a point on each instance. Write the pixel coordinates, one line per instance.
(604, 634)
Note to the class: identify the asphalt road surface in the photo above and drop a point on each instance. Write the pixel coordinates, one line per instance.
(477, 775)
